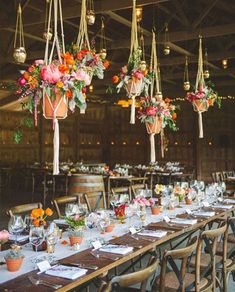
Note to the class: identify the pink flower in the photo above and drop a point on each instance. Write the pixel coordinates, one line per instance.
(51, 73)
(152, 201)
(151, 111)
(76, 217)
(39, 62)
(83, 76)
(4, 236)
(200, 94)
(139, 75)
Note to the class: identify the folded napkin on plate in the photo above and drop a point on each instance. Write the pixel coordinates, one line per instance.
(118, 249)
(223, 206)
(60, 221)
(204, 213)
(66, 272)
(184, 221)
(19, 237)
(154, 233)
(229, 201)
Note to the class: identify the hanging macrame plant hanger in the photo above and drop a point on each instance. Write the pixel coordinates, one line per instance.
(200, 105)
(56, 108)
(155, 90)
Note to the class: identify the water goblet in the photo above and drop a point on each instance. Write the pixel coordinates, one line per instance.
(36, 236)
(16, 225)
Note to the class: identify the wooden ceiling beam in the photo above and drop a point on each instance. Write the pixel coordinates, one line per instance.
(204, 13)
(179, 36)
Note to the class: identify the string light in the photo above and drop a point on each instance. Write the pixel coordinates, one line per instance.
(139, 13)
(225, 63)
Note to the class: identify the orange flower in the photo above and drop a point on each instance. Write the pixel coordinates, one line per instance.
(167, 100)
(37, 213)
(174, 116)
(115, 79)
(145, 72)
(68, 58)
(106, 64)
(26, 75)
(59, 84)
(63, 68)
(210, 101)
(48, 212)
(36, 222)
(68, 93)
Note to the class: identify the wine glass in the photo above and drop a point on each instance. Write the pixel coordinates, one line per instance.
(28, 222)
(16, 225)
(36, 236)
(90, 223)
(70, 209)
(141, 213)
(104, 222)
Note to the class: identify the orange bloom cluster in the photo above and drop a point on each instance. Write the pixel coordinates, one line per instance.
(39, 215)
(68, 58)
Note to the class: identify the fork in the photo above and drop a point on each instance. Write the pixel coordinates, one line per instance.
(45, 283)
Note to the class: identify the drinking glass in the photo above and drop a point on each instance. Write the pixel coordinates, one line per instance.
(36, 236)
(16, 225)
(141, 213)
(70, 209)
(28, 222)
(104, 222)
(90, 224)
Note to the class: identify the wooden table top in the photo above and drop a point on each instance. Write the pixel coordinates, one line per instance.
(22, 284)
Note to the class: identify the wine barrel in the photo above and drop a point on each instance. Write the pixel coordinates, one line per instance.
(92, 186)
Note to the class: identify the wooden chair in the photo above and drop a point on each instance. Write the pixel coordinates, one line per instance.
(178, 279)
(219, 177)
(21, 209)
(208, 261)
(92, 188)
(62, 201)
(120, 283)
(213, 175)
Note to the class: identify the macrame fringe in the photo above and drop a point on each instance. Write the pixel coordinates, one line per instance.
(56, 142)
(200, 125)
(152, 148)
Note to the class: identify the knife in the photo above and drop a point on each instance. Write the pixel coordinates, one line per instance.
(84, 266)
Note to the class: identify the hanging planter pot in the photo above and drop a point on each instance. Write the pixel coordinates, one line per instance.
(134, 87)
(200, 105)
(154, 128)
(19, 55)
(57, 108)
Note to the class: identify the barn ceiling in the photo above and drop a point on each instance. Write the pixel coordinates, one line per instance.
(213, 19)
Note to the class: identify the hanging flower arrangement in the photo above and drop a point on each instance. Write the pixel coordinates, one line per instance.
(204, 95)
(158, 113)
(133, 77)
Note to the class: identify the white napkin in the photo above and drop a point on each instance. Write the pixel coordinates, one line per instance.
(66, 272)
(223, 206)
(118, 249)
(60, 221)
(184, 221)
(204, 213)
(154, 233)
(230, 201)
(19, 237)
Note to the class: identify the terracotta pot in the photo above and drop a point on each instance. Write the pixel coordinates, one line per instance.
(155, 210)
(154, 128)
(13, 265)
(134, 87)
(200, 105)
(59, 105)
(188, 201)
(75, 239)
(109, 228)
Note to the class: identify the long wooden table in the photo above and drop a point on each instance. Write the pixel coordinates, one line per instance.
(22, 284)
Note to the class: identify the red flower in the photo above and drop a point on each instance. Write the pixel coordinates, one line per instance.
(151, 111)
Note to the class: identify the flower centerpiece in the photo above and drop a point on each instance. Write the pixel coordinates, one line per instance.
(39, 216)
(14, 258)
(76, 225)
(179, 192)
(4, 237)
(155, 208)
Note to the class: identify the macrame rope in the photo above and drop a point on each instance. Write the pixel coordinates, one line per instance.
(82, 39)
(200, 77)
(48, 59)
(134, 32)
(19, 28)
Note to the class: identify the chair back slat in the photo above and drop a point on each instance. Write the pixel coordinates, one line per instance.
(25, 208)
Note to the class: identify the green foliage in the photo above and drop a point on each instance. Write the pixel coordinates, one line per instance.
(17, 136)
(14, 254)
(18, 133)
(75, 222)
